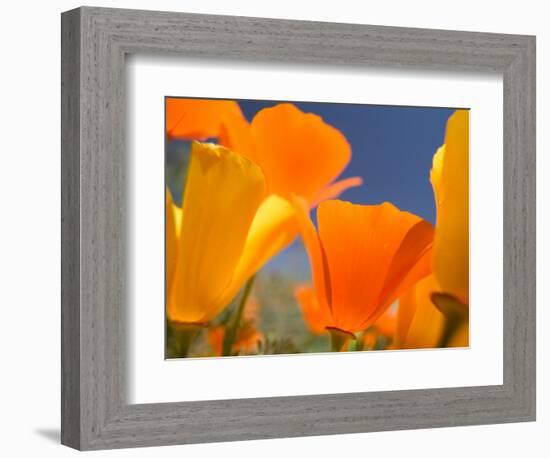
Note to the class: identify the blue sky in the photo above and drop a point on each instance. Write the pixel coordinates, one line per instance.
(392, 149)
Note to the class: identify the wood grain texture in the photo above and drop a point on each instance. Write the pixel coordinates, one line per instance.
(70, 229)
(95, 412)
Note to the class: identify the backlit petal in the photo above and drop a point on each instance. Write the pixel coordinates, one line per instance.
(172, 230)
(314, 250)
(273, 228)
(405, 269)
(198, 119)
(386, 324)
(236, 134)
(420, 323)
(314, 314)
(360, 243)
(418, 271)
(222, 194)
(298, 152)
(435, 173)
(335, 189)
(450, 179)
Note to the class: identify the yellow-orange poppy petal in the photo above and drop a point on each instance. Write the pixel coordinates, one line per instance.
(236, 134)
(222, 194)
(359, 242)
(421, 269)
(416, 245)
(335, 189)
(314, 314)
(298, 152)
(314, 250)
(461, 337)
(198, 119)
(450, 180)
(386, 324)
(419, 324)
(273, 228)
(436, 171)
(172, 230)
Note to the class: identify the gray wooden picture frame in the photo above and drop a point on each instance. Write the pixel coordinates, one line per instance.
(95, 413)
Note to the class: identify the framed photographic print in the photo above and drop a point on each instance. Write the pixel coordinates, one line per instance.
(306, 294)
(285, 228)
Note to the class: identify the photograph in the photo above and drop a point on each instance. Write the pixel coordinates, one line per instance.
(310, 227)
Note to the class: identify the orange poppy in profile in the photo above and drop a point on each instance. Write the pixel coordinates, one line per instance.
(362, 258)
(212, 240)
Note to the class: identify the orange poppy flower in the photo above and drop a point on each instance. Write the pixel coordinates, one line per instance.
(362, 259)
(224, 232)
(298, 152)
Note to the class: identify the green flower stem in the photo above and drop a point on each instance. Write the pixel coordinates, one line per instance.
(235, 321)
(359, 342)
(339, 339)
(185, 334)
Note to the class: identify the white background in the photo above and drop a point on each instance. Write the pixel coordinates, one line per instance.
(152, 379)
(29, 233)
